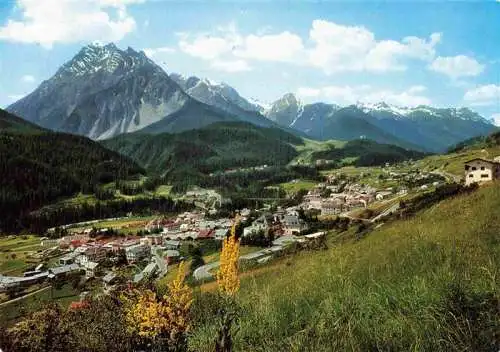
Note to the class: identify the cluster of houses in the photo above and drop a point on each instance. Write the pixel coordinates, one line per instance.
(341, 198)
(192, 226)
(241, 169)
(283, 222)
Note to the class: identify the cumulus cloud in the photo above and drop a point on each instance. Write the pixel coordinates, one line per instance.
(330, 47)
(457, 66)
(413, 96)
(28, 79)
(488, 94)
(281, 47)
(47, 22)
(354, 48)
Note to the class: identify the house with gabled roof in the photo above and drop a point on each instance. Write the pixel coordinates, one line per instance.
(481, 170)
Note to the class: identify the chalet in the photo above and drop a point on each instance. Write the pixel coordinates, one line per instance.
(136, 252)
(481, 170)
(59, 271)
(293, 225)
(93, 254)
(172, 256)
(169, 244)
(91, 269)
(206, 234)
(261, 224)
(109, 279)
(8, 283)
(68, 258)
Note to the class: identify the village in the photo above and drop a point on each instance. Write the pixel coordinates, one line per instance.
(109, 257)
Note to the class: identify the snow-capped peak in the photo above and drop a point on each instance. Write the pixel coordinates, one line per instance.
(98, 57)
(383, 106)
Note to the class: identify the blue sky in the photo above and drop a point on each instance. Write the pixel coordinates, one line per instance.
(405, 53)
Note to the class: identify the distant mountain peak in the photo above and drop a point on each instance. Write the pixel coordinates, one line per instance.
(97, 57)
(218, 94)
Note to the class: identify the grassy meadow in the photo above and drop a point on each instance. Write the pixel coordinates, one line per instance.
(429, 283)
(14, 253)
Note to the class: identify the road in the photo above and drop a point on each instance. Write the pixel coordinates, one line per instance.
(23, 297)
(203, 272)
(447, 176)
(160, 262)
(391, 209)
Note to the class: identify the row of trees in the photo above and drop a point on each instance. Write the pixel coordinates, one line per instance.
(40, 221)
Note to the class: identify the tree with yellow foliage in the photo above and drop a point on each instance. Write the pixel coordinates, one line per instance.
(228, 282)
(161, 322)
(227, 277)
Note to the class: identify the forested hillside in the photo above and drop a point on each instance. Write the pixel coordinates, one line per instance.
(12, 123)
(36, 169)
(216, 147)
(368, 153)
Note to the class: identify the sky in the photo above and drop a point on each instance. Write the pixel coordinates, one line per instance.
(406, 53)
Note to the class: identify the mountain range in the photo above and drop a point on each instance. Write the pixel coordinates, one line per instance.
(104, 91)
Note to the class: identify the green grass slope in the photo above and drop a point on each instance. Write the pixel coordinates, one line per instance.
(367, 153)
(487, 147)
(429, 283)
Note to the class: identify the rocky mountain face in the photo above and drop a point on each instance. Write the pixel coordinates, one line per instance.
(220, 95)
(103, 91)
(423, 127)
(285, 111)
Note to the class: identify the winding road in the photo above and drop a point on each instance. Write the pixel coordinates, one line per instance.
(203, 272)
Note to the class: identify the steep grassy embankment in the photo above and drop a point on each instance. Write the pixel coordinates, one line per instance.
(425, 284)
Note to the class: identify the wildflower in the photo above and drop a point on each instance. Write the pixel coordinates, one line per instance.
(152, 318)
(227, 276)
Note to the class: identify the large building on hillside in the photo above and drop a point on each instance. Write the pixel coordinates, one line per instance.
(481, 170)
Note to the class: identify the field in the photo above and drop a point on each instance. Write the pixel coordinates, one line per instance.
(429, 283)
(294, 186)
(128, 225)
(14, 252)
(310, 146)
(14, 309)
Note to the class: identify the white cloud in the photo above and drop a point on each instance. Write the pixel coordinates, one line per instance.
(282, 47)
(151, 52)
(330, 47)
(495, 118)
(28, 79)
(457, 66)
(47, 22)
(342, 95)
(353, 48)
(231, 65)
(207, 47)
(488, 94)
(308, 92)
